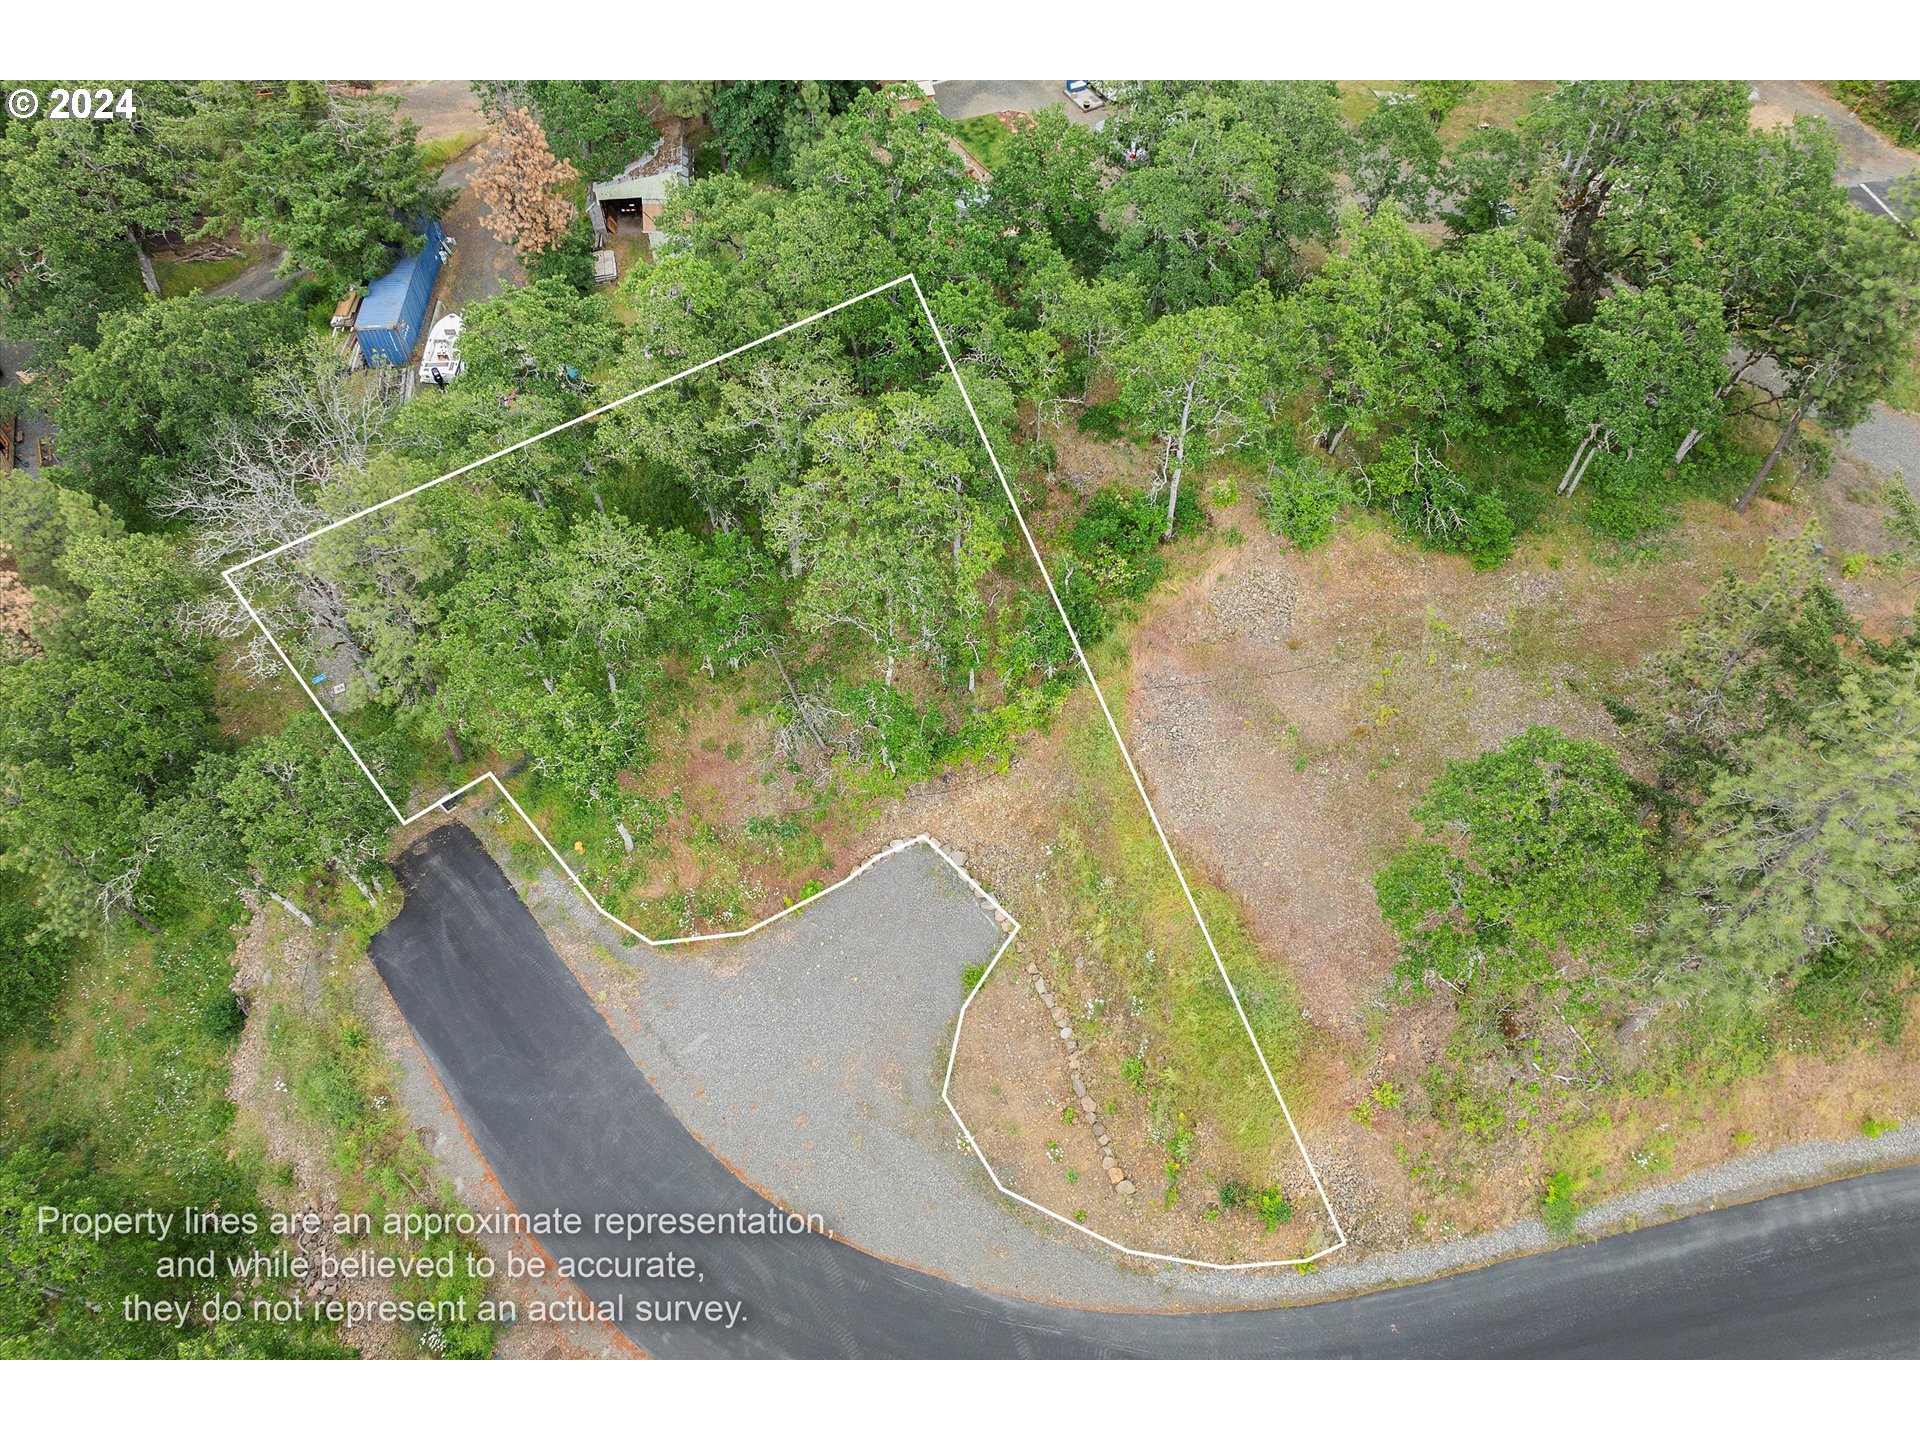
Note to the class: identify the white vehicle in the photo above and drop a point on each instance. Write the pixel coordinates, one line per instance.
(440, 360)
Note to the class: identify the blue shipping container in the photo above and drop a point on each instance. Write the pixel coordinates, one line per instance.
(395, 310)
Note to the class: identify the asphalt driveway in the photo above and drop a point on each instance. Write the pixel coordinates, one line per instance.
(569, 1124)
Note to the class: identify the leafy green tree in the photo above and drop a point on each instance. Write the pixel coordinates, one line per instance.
(35, 965)
(42, 517)
(1496, 178)
(1807, 844)
(1049, 181)
(1846, 343)
(615, 591)
(1494, 298)
(570, 261)
(79, 202)
(1764, 654)
(1398, 158)
(1747, 214)
(62, 1296)
(59, 1293)
(335, 179)
(1234, 175)
(284, 807)
(688, 99)
(598, 126)
(510, 673)
(1115, 548)
(1096, 316)
(1531, 860)
(383, 573)
(1371, 331)
(141, 407)
(889, 533)
(891, 171)
(1453, 337)
(1197, 379)
(768, 121)
(1440, 98)
(1650, 369)
(767, 406)
(986, 335)
(543, 336)
(98, 729)
(1603, 141)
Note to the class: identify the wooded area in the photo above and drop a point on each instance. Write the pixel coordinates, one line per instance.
(1568, 322)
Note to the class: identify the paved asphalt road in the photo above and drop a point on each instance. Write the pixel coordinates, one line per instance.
(1883, 197)
(567, 1123)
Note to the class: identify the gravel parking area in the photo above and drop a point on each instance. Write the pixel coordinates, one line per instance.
(809, 1055)
(809, 1058)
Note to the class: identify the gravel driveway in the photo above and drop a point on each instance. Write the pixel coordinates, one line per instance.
(806, 1057)
(809, 1058)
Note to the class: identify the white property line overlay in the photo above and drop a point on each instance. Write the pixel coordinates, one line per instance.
(1086, 667)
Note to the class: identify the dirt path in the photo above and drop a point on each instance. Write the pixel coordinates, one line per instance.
(482, 265)
(259, 281)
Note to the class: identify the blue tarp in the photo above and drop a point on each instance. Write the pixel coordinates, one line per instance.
(394, 313)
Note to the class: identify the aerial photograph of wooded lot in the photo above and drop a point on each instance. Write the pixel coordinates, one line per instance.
(1086, 717)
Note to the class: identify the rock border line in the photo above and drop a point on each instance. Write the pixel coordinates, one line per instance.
(444, 802)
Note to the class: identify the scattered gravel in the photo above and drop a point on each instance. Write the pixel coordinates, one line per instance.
(1254, 603)
(1888, 440)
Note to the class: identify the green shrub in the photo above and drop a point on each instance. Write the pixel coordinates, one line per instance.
(1488, 538)
(571, 261)
(1529, 854)
(1102, 421)
(1274, 1207)
(1117, 540)
(971, 977)
(224, 1016)
(1434, 504)
(1559, 1208)
(33, 970)
(1303, 501)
